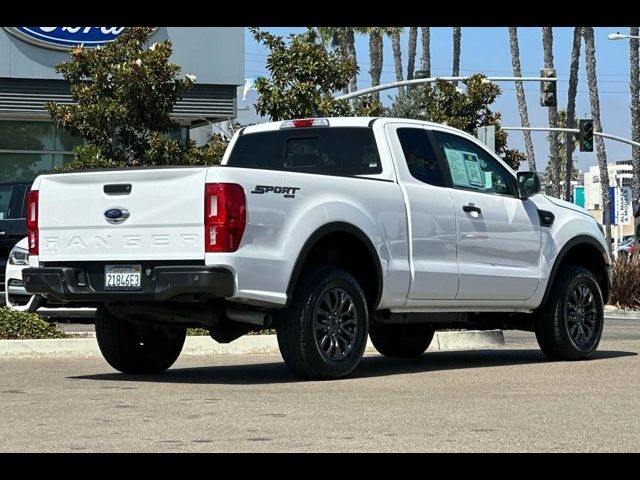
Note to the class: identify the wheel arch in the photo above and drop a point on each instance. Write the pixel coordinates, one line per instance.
(586, 251)
(342, 233)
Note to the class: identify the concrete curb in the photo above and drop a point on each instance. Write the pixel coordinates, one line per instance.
(250, 344)
(612, 312)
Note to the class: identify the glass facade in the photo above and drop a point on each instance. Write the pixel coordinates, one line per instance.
(30, 148)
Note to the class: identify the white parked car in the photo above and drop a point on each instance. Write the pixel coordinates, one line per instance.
(17, 298)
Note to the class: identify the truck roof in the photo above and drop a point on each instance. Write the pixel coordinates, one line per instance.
(345, 122)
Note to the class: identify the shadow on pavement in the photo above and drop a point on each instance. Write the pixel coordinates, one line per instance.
(371, 366)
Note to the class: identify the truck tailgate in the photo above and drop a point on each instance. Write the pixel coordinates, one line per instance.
(165, 215)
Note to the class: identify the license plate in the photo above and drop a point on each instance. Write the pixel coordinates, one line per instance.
(122, 277)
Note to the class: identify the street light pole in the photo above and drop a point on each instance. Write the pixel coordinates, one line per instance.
(416, 81)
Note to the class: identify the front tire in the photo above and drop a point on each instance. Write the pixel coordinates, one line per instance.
(323, 333)
(569, 326)
(136, 348)
(401, 341)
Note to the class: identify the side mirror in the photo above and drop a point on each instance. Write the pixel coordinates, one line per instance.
(528, 184)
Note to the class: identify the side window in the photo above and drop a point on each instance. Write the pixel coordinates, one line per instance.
(420, 157)
(473, 168)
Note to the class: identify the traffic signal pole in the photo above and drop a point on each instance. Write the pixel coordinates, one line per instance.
(575, 130)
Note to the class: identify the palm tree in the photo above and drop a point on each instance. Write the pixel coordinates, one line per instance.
(394, 33)
(411, 51)
(376, 46)
(601, 153)
(634, 72)
(522, 102)
(571, 109)
(350, 47)
(426, 50)
(457, 37)
(342, 39)
(547, 46)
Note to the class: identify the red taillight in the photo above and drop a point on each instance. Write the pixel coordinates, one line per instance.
(225, 216)
(32, 221)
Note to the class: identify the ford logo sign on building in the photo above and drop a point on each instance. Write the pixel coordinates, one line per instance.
(65, 38)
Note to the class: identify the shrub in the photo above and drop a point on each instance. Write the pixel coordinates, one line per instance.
(197, 332)
(16, 325)
(625, 289)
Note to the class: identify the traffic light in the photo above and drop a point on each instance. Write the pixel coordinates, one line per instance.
(586, 135)
(548, 97)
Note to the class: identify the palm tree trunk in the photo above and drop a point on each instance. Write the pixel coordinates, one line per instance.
(634, 72)
(522, 102)
(426, 50)
(411, 51)
(571, 109)
(601, 153)
(457, 37)
(397, 56)
(554, 150)
(375, 57)
(350, 46)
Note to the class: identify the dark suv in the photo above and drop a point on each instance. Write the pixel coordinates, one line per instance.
(13, 227)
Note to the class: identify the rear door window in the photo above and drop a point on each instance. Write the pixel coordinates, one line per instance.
(334, 151)
(420, 157)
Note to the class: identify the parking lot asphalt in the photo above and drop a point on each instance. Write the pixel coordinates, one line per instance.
(503, 400)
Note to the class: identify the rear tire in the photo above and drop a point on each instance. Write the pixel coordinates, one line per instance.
(569, 326)
(401, 340)
(323, 333)
(137, 348)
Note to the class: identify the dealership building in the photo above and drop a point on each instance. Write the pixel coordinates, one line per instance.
(30, 143)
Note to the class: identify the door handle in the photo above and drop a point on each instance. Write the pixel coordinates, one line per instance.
(471, 208)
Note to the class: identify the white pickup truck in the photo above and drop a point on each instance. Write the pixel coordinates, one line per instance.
(326, 230)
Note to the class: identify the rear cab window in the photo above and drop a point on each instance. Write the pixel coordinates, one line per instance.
(341, 151)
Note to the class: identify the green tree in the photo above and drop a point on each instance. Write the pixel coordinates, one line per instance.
(304, 77)
(443, 102)
(123, 96)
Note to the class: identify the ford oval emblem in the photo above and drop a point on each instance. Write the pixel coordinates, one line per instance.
(116, 215)
(64, 38)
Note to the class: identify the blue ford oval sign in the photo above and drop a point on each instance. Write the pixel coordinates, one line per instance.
(64, 38)
(116, 215)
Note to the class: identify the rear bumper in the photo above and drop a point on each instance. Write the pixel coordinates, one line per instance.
(163, 283)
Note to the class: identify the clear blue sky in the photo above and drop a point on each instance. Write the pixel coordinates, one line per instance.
(486, 50)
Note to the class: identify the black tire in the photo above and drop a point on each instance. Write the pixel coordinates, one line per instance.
(569, 326)
(136, 348)
(322, 345)
(401, 341)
